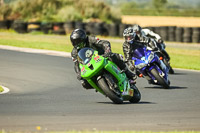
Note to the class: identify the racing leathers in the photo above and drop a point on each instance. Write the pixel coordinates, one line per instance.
(104, 48)
(159, 42)
(128, 48)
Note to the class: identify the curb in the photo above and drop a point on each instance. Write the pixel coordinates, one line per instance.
(3, 90)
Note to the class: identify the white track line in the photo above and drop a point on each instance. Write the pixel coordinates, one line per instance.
(39, 51)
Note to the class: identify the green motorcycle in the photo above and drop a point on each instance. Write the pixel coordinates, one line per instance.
(106, 77)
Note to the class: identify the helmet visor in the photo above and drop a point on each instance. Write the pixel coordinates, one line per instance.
(80, 45)
(129, 38)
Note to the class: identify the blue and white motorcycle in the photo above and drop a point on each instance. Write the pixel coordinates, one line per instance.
(150, 66)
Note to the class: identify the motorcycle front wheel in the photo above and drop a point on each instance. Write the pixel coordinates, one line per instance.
(136, 96)
(161, 80)
(108, 92)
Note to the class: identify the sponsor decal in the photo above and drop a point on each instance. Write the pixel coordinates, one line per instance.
(96, 58)
(89, 64)
(83, 70)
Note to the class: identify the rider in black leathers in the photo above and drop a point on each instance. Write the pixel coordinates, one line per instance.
(79, 40)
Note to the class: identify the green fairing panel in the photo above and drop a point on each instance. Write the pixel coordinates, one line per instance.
(114, 70)
(87, 73)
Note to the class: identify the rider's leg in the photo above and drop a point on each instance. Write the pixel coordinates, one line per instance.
(120, 63)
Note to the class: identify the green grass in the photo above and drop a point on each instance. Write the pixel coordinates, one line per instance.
(184, 58)
(180, 57)
(50, 42)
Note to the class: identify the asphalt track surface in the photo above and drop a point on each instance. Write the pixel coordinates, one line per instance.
(44, 92)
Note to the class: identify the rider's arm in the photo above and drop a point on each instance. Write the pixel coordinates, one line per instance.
(100, 43)
(128, 56)
(74, 55)
(150, 33)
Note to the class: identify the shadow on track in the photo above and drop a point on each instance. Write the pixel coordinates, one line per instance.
(178, 73)
(171, 87)
(126, 102)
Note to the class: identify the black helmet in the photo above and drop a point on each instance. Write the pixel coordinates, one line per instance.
(137, 28)
(128, 34)
(78, 38)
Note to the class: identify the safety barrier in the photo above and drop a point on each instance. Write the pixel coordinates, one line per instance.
(168, 33)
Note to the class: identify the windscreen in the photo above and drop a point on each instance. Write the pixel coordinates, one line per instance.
(85, 55)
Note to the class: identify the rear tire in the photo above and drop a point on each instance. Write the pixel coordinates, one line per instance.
(108, 92)
(171, 71)
(161, 80)
(136, 96)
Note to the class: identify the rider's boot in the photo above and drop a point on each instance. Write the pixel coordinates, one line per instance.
(131, 76)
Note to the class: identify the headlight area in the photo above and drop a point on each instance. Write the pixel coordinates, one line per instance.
(141, 65)
(150, 58)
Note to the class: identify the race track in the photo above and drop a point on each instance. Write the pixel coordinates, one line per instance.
(44, 92)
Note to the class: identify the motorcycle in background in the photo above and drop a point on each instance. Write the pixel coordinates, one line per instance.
(150, 66)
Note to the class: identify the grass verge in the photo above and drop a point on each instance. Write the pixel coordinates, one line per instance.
(180, 57)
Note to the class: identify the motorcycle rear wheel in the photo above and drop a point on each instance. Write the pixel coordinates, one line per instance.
(161, 80)
(108, 92)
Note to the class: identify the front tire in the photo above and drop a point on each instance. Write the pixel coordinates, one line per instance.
(161, 80)
(108, 92)
(136, 96)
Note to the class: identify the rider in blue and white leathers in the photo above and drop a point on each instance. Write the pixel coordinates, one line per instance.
(141, 33)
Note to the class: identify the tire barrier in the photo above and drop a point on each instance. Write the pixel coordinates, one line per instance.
(171, 33)
(196, 34)
(164, 32)
(89, 28)
(6, 24)
(187, 32)
(20, 26)
(46, 28)
(113, 29)
(33, 26)
(58, 28)
(99, 29)
(3, 25)
(179, 34)
(168, 33)
(80, 25)
(69, 27)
